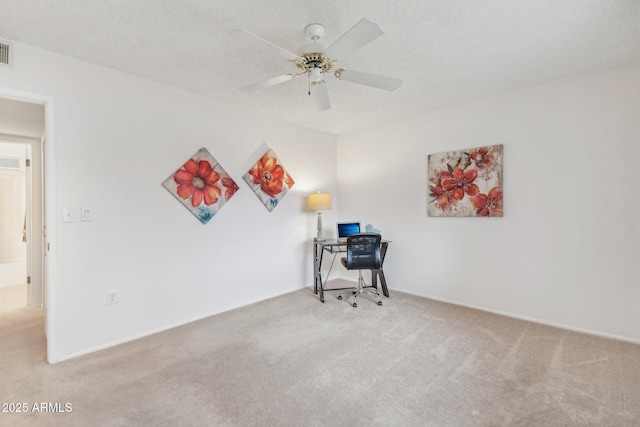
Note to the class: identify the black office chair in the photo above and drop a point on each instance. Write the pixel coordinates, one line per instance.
(363, 253)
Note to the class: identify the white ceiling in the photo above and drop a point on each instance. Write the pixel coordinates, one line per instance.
(445, 51)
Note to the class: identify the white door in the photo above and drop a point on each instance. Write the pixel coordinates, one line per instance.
(34, 225)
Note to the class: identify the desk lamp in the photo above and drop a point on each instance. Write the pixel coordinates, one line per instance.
(319, 202)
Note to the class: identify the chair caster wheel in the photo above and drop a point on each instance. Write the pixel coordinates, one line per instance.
(340, 297)
(354, 304)
(322, 300)
(379, 302)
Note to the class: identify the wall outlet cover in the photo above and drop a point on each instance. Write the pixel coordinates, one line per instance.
(86, 214)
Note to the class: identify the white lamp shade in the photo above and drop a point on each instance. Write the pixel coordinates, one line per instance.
(319, 201)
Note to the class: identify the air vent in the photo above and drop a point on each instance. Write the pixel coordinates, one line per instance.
(5, 52)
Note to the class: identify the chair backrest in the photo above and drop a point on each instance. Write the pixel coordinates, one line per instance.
(363, 251)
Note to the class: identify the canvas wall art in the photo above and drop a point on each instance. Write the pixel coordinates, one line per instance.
(465, 182)
(269, 180)
(201, 185)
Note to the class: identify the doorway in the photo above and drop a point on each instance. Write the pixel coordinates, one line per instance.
(26, 121)
(13, 226)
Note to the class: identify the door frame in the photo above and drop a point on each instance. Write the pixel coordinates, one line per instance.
(49, 203)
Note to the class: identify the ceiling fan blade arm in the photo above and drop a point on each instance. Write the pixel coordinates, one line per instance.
(251, 40)
(359, 35)
(320, 96)
(267, 83)
(368, 79)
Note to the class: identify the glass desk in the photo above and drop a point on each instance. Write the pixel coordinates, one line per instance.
(334, 246)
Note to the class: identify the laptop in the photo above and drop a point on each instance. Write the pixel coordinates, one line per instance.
(347, 228)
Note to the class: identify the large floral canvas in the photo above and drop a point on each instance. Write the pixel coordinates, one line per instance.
(466, 182)
(269, 180)
(201, 185)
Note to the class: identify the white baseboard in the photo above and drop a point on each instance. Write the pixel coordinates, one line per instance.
(157, 330)
(528, 319)
(435, 298)
(13, 272)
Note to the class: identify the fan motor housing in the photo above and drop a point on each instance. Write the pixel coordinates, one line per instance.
(310, 60)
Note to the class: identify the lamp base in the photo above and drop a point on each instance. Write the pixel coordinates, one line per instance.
(319, 235)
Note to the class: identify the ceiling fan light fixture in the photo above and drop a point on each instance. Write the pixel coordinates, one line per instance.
(315, 78)
(315, 60)
(315, 75)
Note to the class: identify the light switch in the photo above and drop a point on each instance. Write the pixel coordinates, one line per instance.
(87, 214)
(68, 215)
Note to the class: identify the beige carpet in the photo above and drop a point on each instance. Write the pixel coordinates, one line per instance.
(292, 361)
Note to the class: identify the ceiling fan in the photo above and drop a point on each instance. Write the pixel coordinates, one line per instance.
(316, 60)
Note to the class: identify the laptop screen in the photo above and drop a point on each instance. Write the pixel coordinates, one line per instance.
(347, 228)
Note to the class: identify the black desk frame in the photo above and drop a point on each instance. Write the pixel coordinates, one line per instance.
(334, 247)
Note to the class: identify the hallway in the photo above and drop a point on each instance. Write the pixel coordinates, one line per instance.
(12, 298)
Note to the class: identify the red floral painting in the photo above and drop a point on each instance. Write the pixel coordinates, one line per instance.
(269, 180)
(202, 185)
(465, 182)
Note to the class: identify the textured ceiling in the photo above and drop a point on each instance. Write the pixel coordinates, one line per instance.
(445, 51)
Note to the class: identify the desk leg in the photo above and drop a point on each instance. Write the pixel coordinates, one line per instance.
(317, 265)
(380, 272)
(315, 268)
(383, 281)
(319, 284)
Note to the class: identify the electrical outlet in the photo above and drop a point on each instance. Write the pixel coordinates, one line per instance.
(112, 297)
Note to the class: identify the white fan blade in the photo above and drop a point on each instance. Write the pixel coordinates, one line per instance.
(320, 96)
(359, 35)
(267, 83)
(373, 80)
(259, 43)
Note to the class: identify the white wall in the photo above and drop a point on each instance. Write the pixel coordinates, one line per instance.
(117, 138)
(566, 251)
